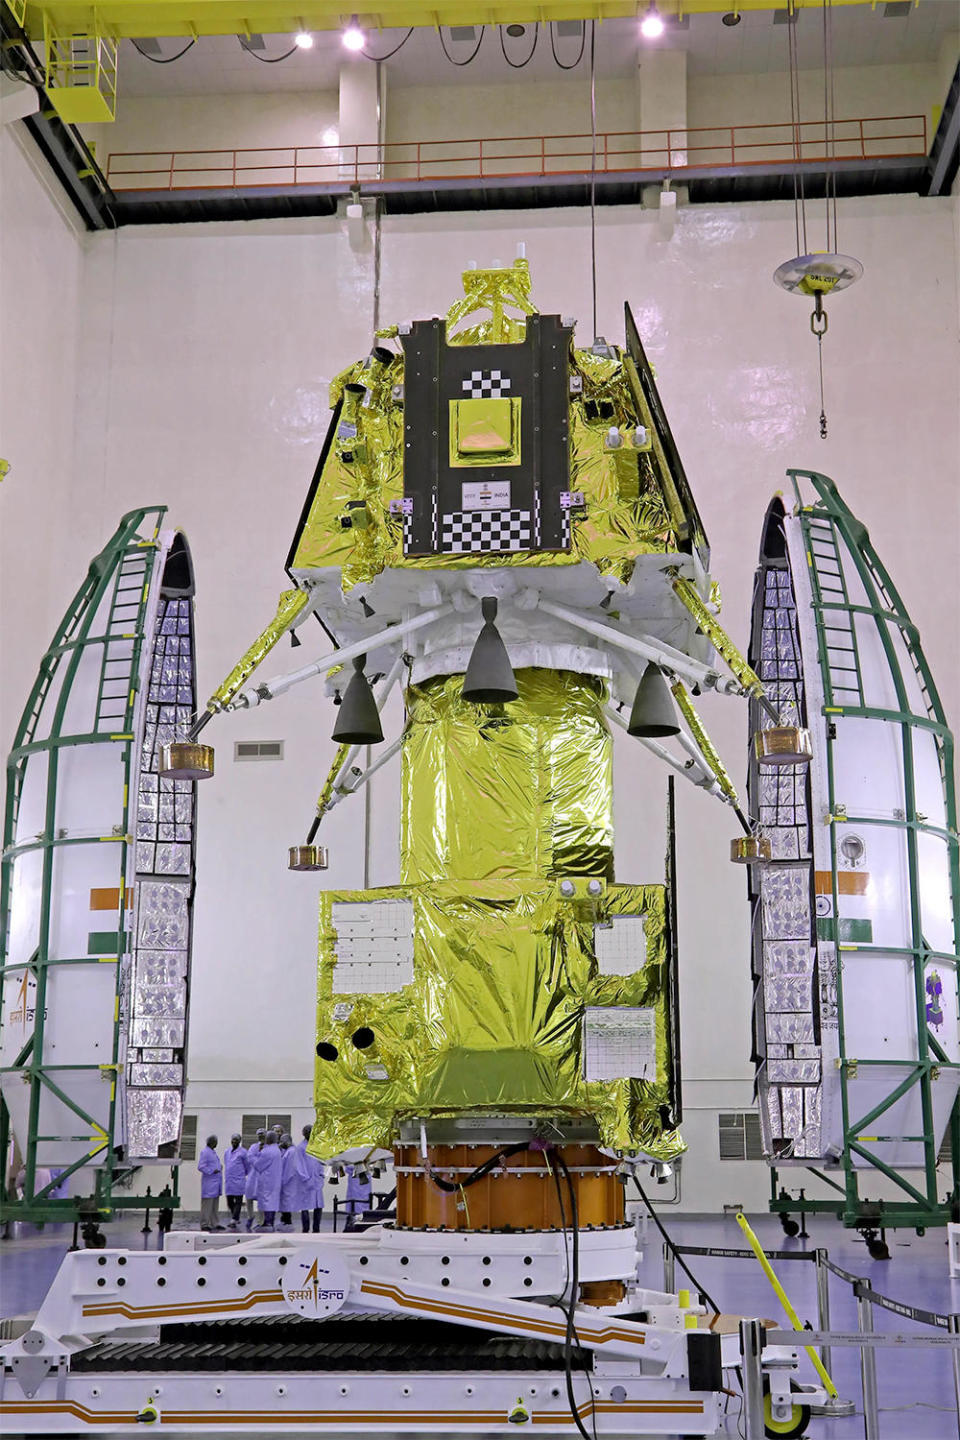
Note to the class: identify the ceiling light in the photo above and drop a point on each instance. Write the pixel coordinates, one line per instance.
(303, 40)
(331, 136)
(732, 17)
(353, 37)
(651, 26)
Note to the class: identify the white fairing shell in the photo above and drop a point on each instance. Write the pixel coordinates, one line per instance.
(855, 928)
(98, 871)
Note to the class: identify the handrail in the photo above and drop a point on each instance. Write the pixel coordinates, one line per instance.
(677, 150)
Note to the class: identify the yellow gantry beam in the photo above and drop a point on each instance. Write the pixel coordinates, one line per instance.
(133, 18)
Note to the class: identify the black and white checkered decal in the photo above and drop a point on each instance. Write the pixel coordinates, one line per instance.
(467, 531)
(486, 385)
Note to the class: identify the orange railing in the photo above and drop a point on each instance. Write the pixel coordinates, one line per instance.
(870, 138)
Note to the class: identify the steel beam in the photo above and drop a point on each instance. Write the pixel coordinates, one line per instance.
(151, 18)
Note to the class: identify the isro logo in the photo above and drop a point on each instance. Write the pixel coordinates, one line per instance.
(22, 1012)
(314, 1288)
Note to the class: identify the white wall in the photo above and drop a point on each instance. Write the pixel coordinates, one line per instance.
(859, 91)
(41, 267)
(554, 107)
(204, 357)
(206, 122)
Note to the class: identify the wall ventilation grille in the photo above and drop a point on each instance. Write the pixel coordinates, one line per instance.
(258, 750)
(250, 1124)
(739, 1136)
(188, 1138)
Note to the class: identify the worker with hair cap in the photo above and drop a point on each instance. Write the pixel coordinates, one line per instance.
(294, 1182)
(313, 1186)
(235, 1167)
(250, 1188)
(269, 1167)
(211, 1184)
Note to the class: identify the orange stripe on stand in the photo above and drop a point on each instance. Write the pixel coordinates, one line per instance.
(849, 882)
(105, 899)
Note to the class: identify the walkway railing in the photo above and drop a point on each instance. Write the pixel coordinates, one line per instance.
(862, 139)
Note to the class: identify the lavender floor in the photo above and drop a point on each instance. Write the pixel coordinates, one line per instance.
(915, 1386)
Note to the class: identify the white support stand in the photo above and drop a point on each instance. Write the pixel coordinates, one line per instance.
(638, 1379)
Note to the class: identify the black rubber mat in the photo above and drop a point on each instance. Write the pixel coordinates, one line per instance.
(342, 1343)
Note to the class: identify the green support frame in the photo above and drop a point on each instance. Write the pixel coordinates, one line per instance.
(921, 1207)
(73, 638)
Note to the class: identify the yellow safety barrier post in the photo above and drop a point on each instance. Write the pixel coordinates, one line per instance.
(781, 1295)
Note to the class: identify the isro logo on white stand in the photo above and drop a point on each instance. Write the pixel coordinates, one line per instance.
(316, 1283)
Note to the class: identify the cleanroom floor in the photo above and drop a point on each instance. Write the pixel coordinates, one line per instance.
(915, 1386)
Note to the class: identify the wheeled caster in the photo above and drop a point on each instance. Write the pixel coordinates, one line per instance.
(790, 1227)
(794, 1425)
(877, 1247)
(93, 1236)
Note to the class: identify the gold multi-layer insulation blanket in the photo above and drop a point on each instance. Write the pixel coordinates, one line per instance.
(493, 1019)
(498, 803)
(625, 511)
(507, 791)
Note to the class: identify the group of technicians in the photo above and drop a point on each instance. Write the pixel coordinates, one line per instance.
(274, 1177)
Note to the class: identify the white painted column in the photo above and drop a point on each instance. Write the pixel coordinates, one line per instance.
(16, 100)
(662, 105)
(359, 117)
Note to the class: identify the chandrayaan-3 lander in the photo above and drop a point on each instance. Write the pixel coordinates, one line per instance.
(500, 523)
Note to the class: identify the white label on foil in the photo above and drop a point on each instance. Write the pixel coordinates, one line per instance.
(486, 495)
(619, 1042)
(374, 946)
(621, 946)
(377, 1072)
(342, 1011)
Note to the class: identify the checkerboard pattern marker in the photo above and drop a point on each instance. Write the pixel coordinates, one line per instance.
(486, 385)
(468, 531)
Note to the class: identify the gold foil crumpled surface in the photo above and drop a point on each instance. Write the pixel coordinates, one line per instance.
(289, 606)
(493, 1017)
(505, 791)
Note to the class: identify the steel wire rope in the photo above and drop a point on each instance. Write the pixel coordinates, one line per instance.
(378, 59)
(470, 58)
(556, 57)
(154, 60)
(267, 59)
(829, 123)
(799, 196)
(521, 65)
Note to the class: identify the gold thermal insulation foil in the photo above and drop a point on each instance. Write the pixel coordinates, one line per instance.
(491, 1012)
(507, 791)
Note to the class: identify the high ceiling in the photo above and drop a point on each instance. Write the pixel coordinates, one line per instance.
(863, 35)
